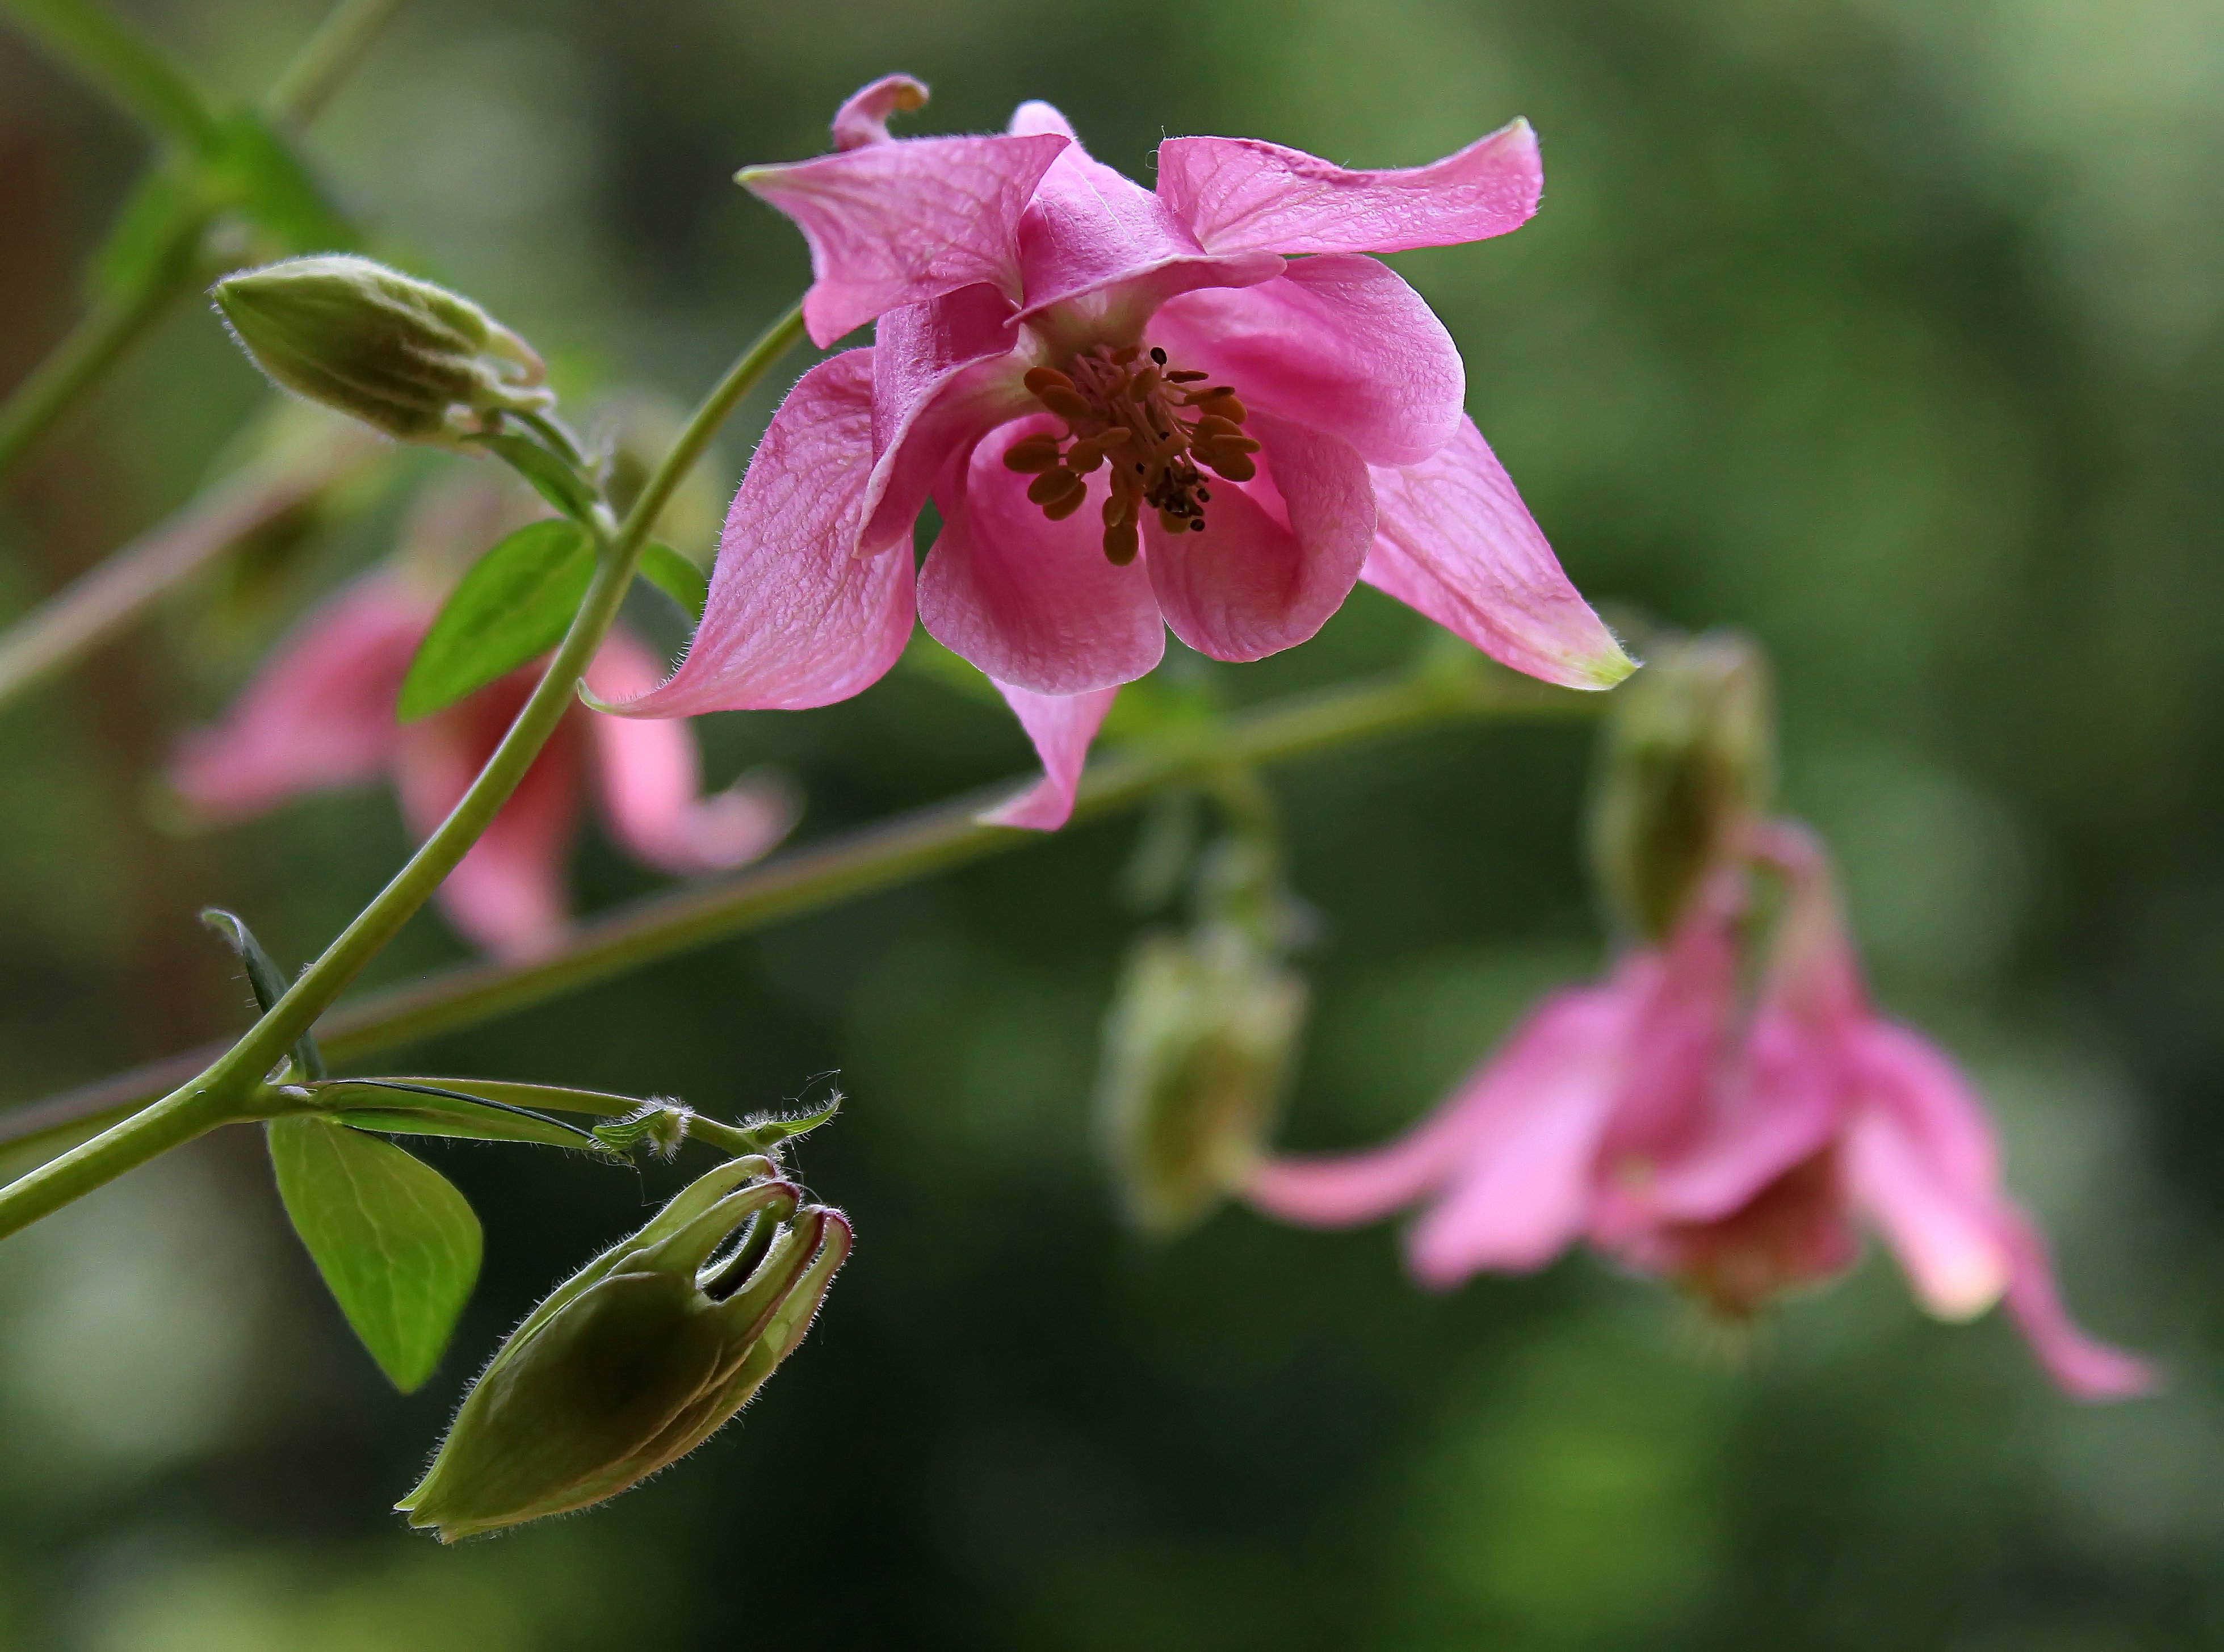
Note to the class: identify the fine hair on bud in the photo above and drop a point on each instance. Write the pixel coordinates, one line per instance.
(407, 357)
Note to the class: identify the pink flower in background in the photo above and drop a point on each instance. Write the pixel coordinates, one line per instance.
(320, 716)
(1202, 407)
(1735, 1148)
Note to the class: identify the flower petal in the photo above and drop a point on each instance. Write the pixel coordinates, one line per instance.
(864, 116)
(2087, 1369)
(796, 618)
(1455, 541)
(649, 780)
(1550, 1077)
(1234, 193)
(904, 222)
(1339, 342)
(320, 713)
(506, 895)
(943, 374)
(1032, 602)
(1061, 726)
(1944, 1233)
(1277, 556)
(1090, 228)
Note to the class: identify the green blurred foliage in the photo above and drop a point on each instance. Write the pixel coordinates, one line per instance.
(1887, 331)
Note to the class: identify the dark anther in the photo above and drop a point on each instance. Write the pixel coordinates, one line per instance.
(1197, 524)
(1204, 496)
(1158, 355)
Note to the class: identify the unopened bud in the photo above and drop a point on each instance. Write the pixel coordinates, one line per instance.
(1196, 1052)
(1688, 758)
(412, 359)
(638, 1358)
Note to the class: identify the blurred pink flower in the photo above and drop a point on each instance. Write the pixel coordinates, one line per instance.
(1134, 410)
(1731, 1147)
(320, 716)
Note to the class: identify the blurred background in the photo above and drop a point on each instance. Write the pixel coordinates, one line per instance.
(1892, 332)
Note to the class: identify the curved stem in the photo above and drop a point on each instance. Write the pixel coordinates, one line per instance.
(129, 68)
(214, 1096)
(917, 845)
(327, 58)
(84, 357)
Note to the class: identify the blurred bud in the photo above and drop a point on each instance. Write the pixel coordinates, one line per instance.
(1688, 756)
(637, 1358)
(1197, 1051)
(407, 357)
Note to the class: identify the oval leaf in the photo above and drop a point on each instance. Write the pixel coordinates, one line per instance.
(395, 1242)
(513, 605)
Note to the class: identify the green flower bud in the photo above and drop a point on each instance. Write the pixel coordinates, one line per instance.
(407, 357)
(1689, 756)
(1196, 1053)
(637, 1358)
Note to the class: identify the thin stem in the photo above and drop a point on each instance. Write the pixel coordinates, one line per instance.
(117, 590)
(214, 1097)
(101, 47)
(130, 69)
(854, 864)
(327, 58)
(94, 345)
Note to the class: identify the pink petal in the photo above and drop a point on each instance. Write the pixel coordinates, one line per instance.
(1943, 1234)
(1090, 231)
(1513, 1139)
(901, 223)
(1277, 555)
(649, 781)
(1525, 1191)
(1339, 343)
(945, 374)
(1455, 541)
(2087, 1369)
(506, 895)
(863, 117)
(1032, 602)
(796, 618)
(320, 714)
(1237, 192)
(1061, 726)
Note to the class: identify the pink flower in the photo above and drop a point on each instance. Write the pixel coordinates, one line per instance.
(1736, 1149)
(1201, 407)
(320, 716)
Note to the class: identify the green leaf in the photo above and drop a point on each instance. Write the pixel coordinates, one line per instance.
(395, 1242)
(257, 169)
(676, 577)
(551, 478)
(262, 976)
(439, 1107)
(513, 605)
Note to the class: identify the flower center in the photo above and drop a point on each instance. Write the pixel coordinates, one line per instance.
(1127, 409)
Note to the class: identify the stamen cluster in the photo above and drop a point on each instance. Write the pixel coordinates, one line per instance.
(1121, 408)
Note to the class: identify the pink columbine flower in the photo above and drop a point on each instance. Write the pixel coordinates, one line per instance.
(321, 717)
(1734, 1147)
(1203, 407)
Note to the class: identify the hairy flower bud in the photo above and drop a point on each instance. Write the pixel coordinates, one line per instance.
(1688, 758)
(412, 359)
(638, 1357)
(1196, 1050)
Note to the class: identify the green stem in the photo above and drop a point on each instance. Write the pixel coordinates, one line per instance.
(917, 844)
(123, 64)
(215, 1096)
(94, 345)
(327, 58)
(107, 51)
